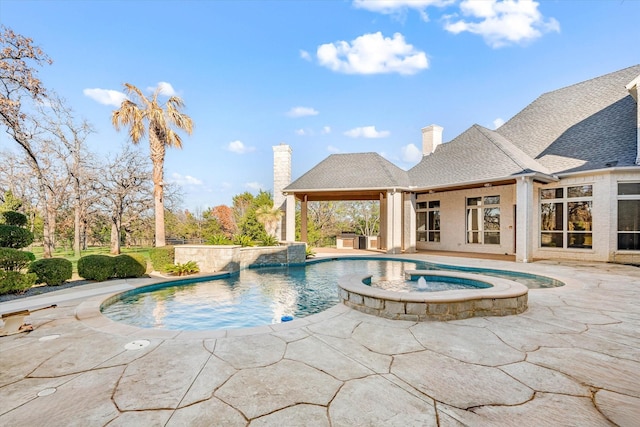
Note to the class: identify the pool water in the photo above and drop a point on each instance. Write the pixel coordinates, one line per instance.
(263, 296)
(430, 284)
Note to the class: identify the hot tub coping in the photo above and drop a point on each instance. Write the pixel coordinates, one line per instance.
(504, 297)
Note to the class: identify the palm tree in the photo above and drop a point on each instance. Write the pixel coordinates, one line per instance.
(147, 115)
(269, 217)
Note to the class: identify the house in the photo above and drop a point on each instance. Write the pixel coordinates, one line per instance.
(561, 179)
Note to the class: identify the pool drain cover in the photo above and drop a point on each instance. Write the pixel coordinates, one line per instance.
(136, 345)
(47, 392)
(49, 337)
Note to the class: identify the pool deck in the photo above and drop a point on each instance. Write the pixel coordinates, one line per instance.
(573, 358)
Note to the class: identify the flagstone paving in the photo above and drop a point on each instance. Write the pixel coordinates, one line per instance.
(573, 358)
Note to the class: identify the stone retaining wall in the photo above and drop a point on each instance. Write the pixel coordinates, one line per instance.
(214, 258)
(504, 298)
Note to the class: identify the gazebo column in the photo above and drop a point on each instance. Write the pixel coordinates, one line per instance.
(525, 210)
(290, 219)
(409, 223)
(382, 238)
(393, 220)
(303, 219)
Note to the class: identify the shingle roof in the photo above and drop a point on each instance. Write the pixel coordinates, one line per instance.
(589, 125)
(352, 171)
(478, 154)
(580, 127)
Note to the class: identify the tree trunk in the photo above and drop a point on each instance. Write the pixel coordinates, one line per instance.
(157, 159)
(115, 237)
(49, 233)
(76, 225)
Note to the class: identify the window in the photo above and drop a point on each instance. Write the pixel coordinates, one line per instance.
(565, 217)
(483, 220)
(629, 216)
(428, 221)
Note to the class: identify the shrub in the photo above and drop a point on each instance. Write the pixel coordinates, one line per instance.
(52, 271)
(129, 265)
(14, 237)
(14, 259)
(13, 218)
(14, 281)
(309, 253)
(162, 256)
(242, 240)
(96, 267)
(218, 239)
(269, 240)
(188, 267)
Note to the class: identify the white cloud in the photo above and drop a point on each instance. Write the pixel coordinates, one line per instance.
(326, 130)
(411, 154)
(105, 96)
(502, 23)
(373, 54)
(254, 185)
(305, 55)
(333, 149)
(497, 123)
(184, 179)
(398, 7)
(302, 112)
(238, 147)
(166, 89)
(300, 132)
(367, 132)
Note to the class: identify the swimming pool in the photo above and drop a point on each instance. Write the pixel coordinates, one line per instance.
(261, 296)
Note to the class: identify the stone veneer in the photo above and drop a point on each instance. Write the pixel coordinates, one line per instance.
(231, 258)
(504, 298)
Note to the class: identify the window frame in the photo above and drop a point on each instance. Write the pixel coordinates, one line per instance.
(431, 235)
(483, 204)
(561, 197)
(625, 197)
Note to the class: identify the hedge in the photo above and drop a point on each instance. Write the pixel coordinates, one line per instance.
(161, 257)
(130, 265)
(15, 282)
(96, 267)
(14, 237)
(13, 218)
(14, 259)
(52, 271)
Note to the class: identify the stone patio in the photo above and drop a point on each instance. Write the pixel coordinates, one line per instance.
(572, 358)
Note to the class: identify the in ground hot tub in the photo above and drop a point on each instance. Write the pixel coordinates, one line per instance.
(481, 296)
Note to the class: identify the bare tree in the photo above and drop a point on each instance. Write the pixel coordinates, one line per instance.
(19, 84)
(126, 191)
(69, 137)
(364, 216)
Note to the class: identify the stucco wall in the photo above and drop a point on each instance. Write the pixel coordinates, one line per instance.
(453, 220)
(212, 259)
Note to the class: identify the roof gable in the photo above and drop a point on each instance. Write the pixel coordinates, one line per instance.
(475, 155)
(351, 171)
(589, 125)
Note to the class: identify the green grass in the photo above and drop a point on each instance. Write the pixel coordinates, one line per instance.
(97, 250)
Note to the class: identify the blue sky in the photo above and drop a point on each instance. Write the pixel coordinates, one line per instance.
(321, 76)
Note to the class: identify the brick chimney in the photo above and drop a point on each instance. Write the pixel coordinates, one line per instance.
(281, 178)
(431, 138)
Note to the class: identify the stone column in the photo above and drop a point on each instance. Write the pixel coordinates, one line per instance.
(409, 223)
(394, 222)
(290, 219)
(525, 209)
(281, 178)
